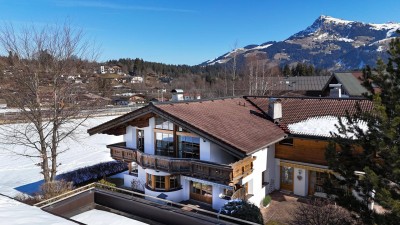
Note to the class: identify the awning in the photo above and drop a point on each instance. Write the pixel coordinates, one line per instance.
(207, 182)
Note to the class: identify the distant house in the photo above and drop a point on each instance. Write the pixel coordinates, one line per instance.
(313, 86)
(3, 103)
(93, 98)
(136, 79)
(347, 84)
(137, 99)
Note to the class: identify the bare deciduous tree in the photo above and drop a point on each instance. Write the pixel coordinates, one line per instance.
(40, 59)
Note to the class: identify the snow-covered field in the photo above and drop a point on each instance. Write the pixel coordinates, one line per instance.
(99, 217)
(17, 171)
(14, 212)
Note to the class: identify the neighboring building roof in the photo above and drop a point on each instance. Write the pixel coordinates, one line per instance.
(231, 123)
(351, 84)
(178, 91)
(303, 83)
(3, 101)
(296, 110)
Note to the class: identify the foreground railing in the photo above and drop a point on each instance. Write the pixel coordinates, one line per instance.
(99, 186)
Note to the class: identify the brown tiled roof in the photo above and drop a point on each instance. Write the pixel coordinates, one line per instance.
(295, 109)
(234, 121)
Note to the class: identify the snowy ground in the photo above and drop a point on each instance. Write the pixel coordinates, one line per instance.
(99, 217)
(13, 212)
(17, 171)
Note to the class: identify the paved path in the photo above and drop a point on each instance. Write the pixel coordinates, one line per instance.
(281, 208)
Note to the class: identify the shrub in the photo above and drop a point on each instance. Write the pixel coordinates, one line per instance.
(93, 173)
(52, 189)
(242, 210)
(266, 200)
(27, 199)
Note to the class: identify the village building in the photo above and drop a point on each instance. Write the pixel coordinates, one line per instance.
(216, 150)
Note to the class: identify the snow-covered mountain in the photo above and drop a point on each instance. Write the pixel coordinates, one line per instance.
(329, 43)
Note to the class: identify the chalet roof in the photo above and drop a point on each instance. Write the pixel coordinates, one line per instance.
(303, 83)
(231, 123)
(295, 109)
(3, 101)
(351, 84)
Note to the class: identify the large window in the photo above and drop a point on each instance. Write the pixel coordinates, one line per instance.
(163, 124)
(160, 182)
(174, 182)
(189, 147)
(165, 144)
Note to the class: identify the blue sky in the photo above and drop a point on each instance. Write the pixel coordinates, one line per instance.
(188, 31)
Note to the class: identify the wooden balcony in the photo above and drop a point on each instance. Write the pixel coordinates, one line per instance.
(190, 167)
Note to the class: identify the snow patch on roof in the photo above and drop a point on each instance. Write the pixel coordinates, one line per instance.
(319, 126)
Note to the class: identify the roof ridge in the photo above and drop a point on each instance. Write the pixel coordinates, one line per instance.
(196, 100)
(306, 97)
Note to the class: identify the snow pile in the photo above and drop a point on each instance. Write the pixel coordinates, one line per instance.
(16, 171)
(14, 212)
(319, 126)
(99, 217)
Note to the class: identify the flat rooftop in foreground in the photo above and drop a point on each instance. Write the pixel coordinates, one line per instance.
(92, 204)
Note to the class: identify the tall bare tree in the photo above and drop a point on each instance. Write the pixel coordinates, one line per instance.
(41, 60)
(234, 66)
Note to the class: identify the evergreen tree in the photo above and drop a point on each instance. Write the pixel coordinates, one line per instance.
(286, 70)
(380, 158)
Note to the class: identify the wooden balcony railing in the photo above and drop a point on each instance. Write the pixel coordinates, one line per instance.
(191, 167)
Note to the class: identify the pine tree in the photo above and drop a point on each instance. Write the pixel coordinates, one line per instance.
(380, 158)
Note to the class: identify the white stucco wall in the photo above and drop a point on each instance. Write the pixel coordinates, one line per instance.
(254, 180)
(271, 167)
(205, 150)
(300, 185)
(149, 137)
(141, 178)
(175, 196)
(277, 180)
(220, 156)
(217, 202)
(130, 137)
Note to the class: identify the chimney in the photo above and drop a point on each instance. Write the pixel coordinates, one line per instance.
(335, 90)
(177, 95)
(275, 109)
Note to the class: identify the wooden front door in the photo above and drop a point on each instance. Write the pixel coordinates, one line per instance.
(201, 192)
(287, 175)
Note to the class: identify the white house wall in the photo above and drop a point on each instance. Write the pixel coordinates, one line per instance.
(130, 137)
(205, 150)
(220, 156)
(254, 180)
(271, 167)
(149, 137)
(277, 180)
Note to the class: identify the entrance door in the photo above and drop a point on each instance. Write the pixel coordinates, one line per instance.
(201, 192)
(287, 174)
(140, 140)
